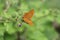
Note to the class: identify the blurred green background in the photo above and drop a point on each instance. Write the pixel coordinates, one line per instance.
(44, 12)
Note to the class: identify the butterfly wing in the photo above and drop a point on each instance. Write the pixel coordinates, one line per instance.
(29, 14)
(27, 17)
(28, 21)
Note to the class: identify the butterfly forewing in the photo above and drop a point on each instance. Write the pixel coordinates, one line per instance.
(29, 14)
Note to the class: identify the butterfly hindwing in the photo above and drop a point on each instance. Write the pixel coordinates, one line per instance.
(28, 21)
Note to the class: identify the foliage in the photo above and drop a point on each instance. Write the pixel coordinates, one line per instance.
(42, 19)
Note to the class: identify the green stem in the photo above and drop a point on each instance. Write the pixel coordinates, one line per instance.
(18, 36)
(4, 36)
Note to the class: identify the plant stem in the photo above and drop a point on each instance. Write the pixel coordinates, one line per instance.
(4, 36)
(18, 36)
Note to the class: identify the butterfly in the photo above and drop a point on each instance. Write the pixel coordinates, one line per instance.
(27, 17)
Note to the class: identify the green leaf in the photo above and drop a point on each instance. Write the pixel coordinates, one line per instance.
(10, 28)
(1, 38)
(2, 29)
(10, 37)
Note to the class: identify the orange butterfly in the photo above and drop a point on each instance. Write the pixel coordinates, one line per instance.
(27, 17)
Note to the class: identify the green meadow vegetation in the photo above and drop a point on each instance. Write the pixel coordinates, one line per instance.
(45, 13)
